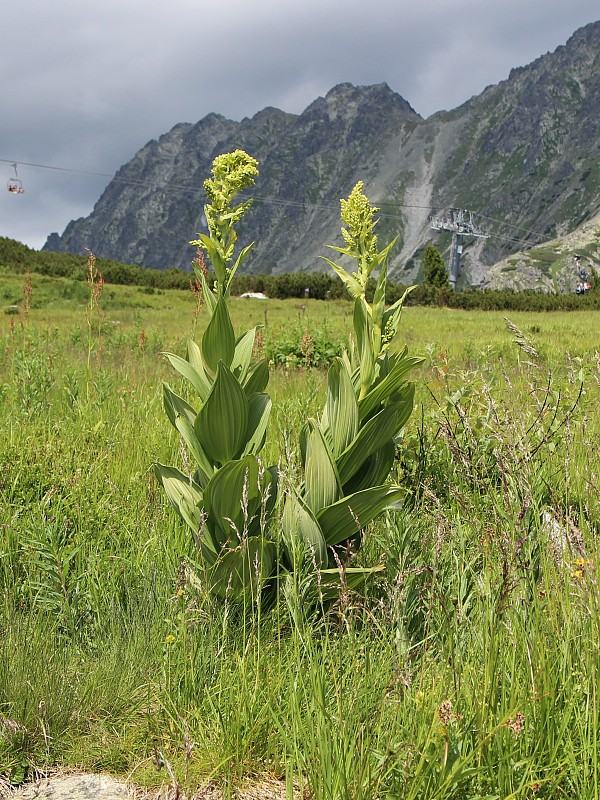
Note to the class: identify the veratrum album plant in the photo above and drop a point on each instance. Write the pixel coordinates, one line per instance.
(230, 499)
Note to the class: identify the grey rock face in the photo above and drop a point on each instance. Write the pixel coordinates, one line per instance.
(74, 787)
(524, 154)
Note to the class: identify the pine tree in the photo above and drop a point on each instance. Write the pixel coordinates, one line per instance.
(434, 269)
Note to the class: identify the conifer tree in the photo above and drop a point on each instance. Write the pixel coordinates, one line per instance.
(434, 269)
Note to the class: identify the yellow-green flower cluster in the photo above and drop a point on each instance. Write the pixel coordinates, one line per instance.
(232, 173)
(359, 235)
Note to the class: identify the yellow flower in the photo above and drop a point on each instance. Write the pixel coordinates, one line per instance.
(170, 639)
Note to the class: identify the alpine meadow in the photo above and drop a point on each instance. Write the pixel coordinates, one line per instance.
(335, 549)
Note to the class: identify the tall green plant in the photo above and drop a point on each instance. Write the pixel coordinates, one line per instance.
(228, 498)
(348, 453)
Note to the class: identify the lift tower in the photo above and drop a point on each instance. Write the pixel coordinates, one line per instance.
(460, 223)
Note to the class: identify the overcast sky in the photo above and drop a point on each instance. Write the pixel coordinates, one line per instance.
(83, 86)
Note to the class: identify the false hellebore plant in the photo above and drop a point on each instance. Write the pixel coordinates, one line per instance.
(348, 453)
(229, 501)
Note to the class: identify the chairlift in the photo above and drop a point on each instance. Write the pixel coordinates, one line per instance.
(15, 185)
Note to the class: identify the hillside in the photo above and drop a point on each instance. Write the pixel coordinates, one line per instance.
(524, 155)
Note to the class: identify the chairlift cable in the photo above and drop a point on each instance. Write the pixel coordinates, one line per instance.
(271, 200)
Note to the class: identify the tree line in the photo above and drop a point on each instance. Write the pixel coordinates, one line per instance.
(16, 257)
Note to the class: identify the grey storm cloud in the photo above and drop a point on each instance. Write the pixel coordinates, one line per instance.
(85, 85)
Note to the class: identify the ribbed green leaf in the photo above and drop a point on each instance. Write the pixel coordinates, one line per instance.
(347, 517)
(242, 255)
(185, 495)
(176, 406)
(233, 497)
(215, 254)
(322, 485)
(342, 408)
(218, 341)
(363, 328)
(258, 377)
(301, 532)
(378, 308)
(381, 428)
(352, 285)
(240, 573)
(259, 410)
(210, 298)
(333, 581)
(198, 380)
(194, 356)
(386, 387)
(374, 471)
(205, 467)
(222, 421)
(242, 356)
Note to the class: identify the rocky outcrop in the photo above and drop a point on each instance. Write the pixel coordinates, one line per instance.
(524, 155)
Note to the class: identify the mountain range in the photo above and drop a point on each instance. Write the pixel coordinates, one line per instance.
(523, 156)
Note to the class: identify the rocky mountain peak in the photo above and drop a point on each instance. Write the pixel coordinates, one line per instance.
(524, 155)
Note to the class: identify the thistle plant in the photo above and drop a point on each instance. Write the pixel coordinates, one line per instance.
(229, 498)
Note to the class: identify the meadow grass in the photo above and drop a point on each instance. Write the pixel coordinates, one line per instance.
(469, 667)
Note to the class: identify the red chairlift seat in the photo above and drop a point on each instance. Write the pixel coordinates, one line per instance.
(15, 185)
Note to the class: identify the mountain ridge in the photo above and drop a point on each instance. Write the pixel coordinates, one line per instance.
(524, 154)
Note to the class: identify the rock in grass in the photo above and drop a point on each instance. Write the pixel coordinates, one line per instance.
(74, 787)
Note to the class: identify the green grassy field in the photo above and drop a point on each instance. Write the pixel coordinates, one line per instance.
(468, 668)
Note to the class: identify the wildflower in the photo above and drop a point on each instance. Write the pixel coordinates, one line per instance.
(516, 724)
(446, 713)
(170, 639)
(581, 565)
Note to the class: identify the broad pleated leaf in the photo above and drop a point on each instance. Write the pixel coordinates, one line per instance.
(222, 421)
(210, 298)
(218, 341)
(378, 430)
(242, 255)
(301, 531)
(258, 377)
(342, 408)
(259, 411)
(176, 406)
(205, 467)
(378, 308)
(322, 485)
(198, 380)
(351, 514)
(241, 572)
(374, 471)
(363, 328)
(332, 581)
(242, 356)
(387, 387)
(233, 497)
(194, 356)
(185, 495)
(352, 285)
